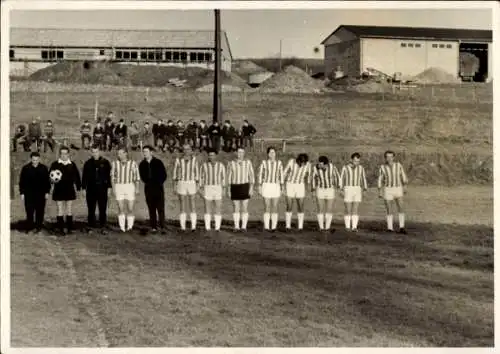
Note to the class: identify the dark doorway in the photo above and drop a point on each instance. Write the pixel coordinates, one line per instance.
(480, 50)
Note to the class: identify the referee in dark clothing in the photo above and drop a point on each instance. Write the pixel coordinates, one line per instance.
(153, 174)
(96, 182)
(34, 187)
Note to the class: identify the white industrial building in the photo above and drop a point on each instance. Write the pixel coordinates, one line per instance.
(32, 49)
(405, 50)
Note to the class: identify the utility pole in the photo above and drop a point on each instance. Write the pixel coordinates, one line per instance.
(281, 51)
(217, 79)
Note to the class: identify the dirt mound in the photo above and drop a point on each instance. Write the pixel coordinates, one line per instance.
(371, 87)
(435, 76)
(225, 88)
(292, 80)
(247, 67)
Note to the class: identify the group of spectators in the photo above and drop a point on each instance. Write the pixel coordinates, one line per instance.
(170, 136)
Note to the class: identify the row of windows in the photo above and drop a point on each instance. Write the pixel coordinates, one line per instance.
(418, 45)
(144, 55)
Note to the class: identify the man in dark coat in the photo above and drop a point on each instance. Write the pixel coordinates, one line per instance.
(85, 132)
(202, 135)
(153, 174)
(121, 133)
(35, 133)
(20, 136)
(34, 187)
(228, 135)
(214, 132)
(170, 136)
(109, 133)
(248, 131)
(96, 182)
(99, 136)
(48, 136)
(192, 134)
(158, 138)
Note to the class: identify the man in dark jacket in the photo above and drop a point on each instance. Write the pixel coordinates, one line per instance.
(248, 131)
(96, 182)
(34, 187)
(48, 136)
(35, 133)
(121, 133)
(214, 132)
(153, 175)
(228, 134)
(109, 133)
(202, 135)
(191, 134)
(20, 137)
(181, 134)
(99, 136)
(85, 132)
(158, 138)
(170, 136)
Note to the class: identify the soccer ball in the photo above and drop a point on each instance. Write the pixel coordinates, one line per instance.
(55, 176)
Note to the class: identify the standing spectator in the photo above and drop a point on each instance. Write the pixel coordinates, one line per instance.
(248, 132)
(241, 178)
(35, 133)
(271, 181)
(153, 174)
(214, 132)
(202, 135)
(192, 134)
(109, 133)
(170, 136)
(85, 131)
(20, 137)
(146, 136)
(181, 134)
(121, 133)
(48, 136)
(96, 182)
(239, 138)
(99, 136)
(228, 135)
(212, 184)
(64, 192)
(157, 134)
(34, 187)
(186, 178)
(134, 135)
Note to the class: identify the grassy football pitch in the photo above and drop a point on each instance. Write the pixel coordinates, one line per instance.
(433, 287)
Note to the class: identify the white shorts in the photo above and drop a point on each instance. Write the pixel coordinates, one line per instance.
(125, 191)
(212, 192)
(352, 194)
(186, 187)
(271, 190)
(391, 193)
(325, 193)
(295, 190)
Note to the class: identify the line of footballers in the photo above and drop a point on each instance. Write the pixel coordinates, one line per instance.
(212, 180)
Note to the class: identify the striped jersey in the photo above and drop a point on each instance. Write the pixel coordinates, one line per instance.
(186, 170)
(271, 172)
(353, 176)
(327, 177)
(391, 175)
(124, 172)
(213, 174)
(240, 172)
(297, 174)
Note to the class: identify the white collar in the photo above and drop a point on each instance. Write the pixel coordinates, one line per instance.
(64, 162)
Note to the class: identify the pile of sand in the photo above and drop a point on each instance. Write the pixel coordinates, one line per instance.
(225, 88)
(292, 80)
(435, 76)
(247, 67)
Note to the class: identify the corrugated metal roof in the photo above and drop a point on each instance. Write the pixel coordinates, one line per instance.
(418, 32)
(113, 38)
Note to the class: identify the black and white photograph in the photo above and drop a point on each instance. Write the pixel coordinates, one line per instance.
(243, 175)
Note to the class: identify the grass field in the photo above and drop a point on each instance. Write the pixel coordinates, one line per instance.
(433, 287)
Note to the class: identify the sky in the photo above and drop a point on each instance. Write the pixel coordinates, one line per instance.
(256, 33)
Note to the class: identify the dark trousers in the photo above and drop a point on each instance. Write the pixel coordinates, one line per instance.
(203, 142)
(37, 140)
(100, 141)
(48, 142)
(35, 211)
(109, 141)
(155, 199)
(228, 144)
(20, 138)
(248, 141)
(97, 197)
(215, 143)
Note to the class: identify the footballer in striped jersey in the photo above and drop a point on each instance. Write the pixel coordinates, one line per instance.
(297, 175)
(325, 178)
(392, 182)
(271, 182)
(212, 184)
(186, 179)
(352, 183)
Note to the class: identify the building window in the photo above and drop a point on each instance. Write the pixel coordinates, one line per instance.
(101, 52)
(60, 54)
(434, 45)
(45, 54)
(417, 45)
(119, 54)
(151, 56)
(133, 55)
(192, 57)
(158, 55)
(12, 54)
(441, 46)
(410, 45)
(168, 56)
(176, 56)
(184, 56)
(403, 45)
(448, 46)
(126, 55)
(144, 55)
(208, 57)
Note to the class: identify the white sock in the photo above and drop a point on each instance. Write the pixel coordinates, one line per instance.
(402, 220)
(288, 220)
(130, 222)
(390, 225)
(218, 221)
(236, 218)
(347, 220)
(300, 218)
(182, 219)
(244, 220)
(274, 221)
(355, 219)
(193, 221)
(208, 220)
(121, 221)
(328, 220)
(267, 220)
(321, 221)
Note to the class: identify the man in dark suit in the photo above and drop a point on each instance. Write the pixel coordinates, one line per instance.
(153, 174)
(96, 182)
(34, 187)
